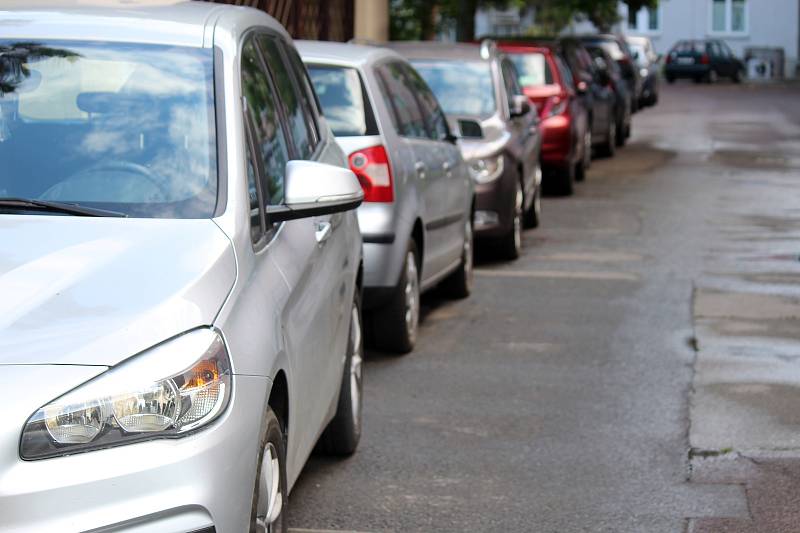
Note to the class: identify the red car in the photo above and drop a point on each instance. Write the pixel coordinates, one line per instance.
(566, 137)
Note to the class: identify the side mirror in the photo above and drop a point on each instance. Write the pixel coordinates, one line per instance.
(520, 105)
(470, 129)
(313, 189)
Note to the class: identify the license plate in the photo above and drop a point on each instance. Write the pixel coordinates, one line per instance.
(686, 61)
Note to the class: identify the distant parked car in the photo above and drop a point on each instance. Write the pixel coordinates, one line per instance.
(617, 48)
(566, 132)
(647, 60)
(416, 218)
(611, 74)
(181, 264)
(702, 60)
(500, 139)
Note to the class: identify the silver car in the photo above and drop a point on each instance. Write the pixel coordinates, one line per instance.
(416, 219)
(180, 270)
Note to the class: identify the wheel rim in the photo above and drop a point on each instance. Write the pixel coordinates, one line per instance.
(356, 365)
(518, 201)
(270, 491)
(537, 204)
(412, 297)
(468, 239)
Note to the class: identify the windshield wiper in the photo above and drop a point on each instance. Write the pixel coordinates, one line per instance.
(56, 207)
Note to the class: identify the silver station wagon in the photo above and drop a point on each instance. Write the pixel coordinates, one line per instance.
(416, 218)
(180, 270)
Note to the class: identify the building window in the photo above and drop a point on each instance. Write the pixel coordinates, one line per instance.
(647, 19)
(728, 16)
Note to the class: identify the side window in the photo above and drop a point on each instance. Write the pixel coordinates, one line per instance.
(406, 114)
(307, 95)
(431, 111)
(566, 75)
(510, 78)
(262, 111)
(256, 220)
(288, 93)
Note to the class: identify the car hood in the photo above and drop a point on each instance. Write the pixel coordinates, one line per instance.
(95, 291)
(495, 136)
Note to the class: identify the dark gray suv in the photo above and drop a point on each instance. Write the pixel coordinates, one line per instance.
(478, 89)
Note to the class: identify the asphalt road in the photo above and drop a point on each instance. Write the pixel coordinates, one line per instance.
(581, 388)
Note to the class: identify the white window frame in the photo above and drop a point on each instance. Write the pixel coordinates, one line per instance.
(643, 22)
(728, 31)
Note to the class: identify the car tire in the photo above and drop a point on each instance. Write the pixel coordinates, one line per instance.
(395, 325)
(712, 76)
(533, 215)
(459, 283)
(510, 244)
(609, 147)
(737, 76)
(586, 157)
(270, 494)
(621, 134)
(670, 79)
(344, 430)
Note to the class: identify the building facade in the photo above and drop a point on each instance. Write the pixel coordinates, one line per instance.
(742, 24)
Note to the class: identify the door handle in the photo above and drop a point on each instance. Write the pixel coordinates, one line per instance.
(420, 167)
(323, 231)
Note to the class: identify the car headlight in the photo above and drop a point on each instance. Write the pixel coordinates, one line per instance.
(166, 391)
(486, 169)
(644, 73)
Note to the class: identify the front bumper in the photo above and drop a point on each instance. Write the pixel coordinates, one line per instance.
(494, 202)
(201, 481)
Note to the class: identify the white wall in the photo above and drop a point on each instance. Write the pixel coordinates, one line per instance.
(772, 23)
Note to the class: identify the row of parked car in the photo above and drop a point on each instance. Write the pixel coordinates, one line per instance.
(193, 206)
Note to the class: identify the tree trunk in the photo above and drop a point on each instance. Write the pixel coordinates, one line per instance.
(465, 21)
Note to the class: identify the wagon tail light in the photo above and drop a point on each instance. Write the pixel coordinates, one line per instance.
(371, 167)
(704, 59)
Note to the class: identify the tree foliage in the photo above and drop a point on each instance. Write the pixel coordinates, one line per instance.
(417, 19)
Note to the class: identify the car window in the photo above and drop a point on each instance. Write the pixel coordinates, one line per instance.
(533, 69)
(566, 75)
(431, 112)
(124, 127)
(270, 137)
(289, 95)
(256, 220)
(343, 99)
(510, 78)
(305, 89)
(406, 114)
(461, 87)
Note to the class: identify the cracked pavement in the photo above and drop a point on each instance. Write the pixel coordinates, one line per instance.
(636, 370)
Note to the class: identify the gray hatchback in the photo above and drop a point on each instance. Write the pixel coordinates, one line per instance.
(416, 218)
(501, 139)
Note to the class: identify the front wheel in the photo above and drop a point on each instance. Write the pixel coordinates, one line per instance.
(271, 497)
(511, 243)
(459, 283)
(344, 431)
(395, 325)
(586, 159)
(737, 76)
(609, 147)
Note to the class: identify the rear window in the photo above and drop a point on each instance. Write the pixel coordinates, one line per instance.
(343, 99)
(462, 88)
(533, 69)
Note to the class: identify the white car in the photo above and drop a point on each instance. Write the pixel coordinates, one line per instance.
(180, 270)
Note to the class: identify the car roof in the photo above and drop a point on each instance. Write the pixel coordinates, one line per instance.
(637, 39)
(438, 50)
(173, 22)
(355, 55)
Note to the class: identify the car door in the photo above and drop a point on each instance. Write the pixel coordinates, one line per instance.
(525, 129)
(293, 246)
(446, 158)
(429, 175)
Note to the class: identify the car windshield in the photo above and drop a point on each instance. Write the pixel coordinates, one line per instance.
(124, 127)
(343, 101)
(462, 88)
(533, 69)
